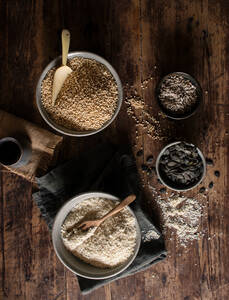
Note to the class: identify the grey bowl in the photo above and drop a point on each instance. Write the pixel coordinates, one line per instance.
(195, 107)
(173, 187)
(73, 263)
(57, 62)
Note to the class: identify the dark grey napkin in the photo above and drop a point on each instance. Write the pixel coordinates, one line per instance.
(103, 169)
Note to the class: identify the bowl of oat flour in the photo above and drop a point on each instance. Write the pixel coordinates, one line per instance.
(96, 253)
(89, 100)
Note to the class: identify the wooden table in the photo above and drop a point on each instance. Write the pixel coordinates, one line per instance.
(142, 39)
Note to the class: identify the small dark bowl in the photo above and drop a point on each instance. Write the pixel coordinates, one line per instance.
(194, 108)
(171, 185)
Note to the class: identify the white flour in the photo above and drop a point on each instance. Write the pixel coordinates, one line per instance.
(182, 215)
(150, 235)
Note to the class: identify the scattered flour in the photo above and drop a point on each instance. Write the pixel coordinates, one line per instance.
(150, 235)
(183, 215)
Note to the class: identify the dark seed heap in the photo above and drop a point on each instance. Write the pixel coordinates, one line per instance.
(181, 165)
(177, 94)
(139, 153)
(202, 189)
(149, 159)
(217, 173)
(209, 161)
(144, 167)
(211, 184)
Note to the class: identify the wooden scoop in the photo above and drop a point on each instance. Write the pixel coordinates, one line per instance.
(96, 223)
(62, 72)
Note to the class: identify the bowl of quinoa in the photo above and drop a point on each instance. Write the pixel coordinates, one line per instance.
(89, 100)
(96, 253)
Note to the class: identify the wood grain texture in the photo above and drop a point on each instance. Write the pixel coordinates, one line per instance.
(141, 39)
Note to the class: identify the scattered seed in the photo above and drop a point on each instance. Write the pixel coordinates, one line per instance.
(211, 185)
(149, 159)
(217, 173)
(202, 190)
(139, 153)
(144, 167)
(209, 161)
(153, 169)
(145, 120)
(149, 171)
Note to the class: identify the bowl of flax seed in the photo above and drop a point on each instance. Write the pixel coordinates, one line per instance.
(89, 100)
(179, 95)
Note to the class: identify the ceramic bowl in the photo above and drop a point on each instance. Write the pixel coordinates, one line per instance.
(195, 107)
(73, 263)
(57, 62)
(170, 185)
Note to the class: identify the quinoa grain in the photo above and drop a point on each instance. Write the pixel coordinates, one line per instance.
(88, 98)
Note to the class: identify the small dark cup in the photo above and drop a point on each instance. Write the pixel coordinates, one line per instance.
(176, 116)
(168, 183)
(14, 152)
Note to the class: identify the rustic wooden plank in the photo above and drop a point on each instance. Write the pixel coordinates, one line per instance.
(182, 39)
(142, 39)
(2, 245)
(48, 277)
(167, 46)
(16, 232)
(31, 269)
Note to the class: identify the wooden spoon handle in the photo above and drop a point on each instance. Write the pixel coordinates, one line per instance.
(119, 207)
(65, 36)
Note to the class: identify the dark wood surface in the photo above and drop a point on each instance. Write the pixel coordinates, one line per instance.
(141, 39)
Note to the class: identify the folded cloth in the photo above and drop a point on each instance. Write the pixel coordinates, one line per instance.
(109, 170)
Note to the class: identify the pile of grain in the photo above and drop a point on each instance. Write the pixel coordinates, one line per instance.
(177, 94)
(88, 98)
(139, 111)
(107, 247)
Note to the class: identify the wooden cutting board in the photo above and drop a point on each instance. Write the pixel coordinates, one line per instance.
(45, 145)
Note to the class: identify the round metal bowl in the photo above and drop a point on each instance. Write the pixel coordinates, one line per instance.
(57, 62)
(188, 114)
(169, 184)
(73, 263)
